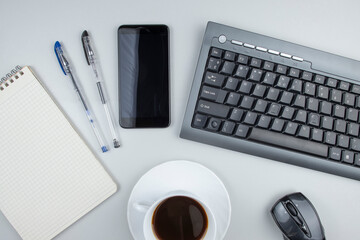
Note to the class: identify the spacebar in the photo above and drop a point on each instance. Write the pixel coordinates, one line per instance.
(285, 141)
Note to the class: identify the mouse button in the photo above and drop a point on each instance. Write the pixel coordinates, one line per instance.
(285, 221)
(291, 208)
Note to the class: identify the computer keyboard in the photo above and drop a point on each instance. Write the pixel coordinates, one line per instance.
(276, 99)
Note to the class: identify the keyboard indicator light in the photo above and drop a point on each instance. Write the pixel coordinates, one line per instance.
(236, 42)
(285, 55)
(249, 45)
(273, 52)
(261, 49)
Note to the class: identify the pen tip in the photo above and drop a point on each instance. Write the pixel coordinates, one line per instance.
(85, 34)
(104, 149)
(57, 44)
(116, 143)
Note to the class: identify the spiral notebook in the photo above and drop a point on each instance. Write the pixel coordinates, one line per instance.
(49, 178)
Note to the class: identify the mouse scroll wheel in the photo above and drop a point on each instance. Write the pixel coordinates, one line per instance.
(291, 209)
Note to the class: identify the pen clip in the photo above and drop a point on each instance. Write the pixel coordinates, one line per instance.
(64, 64)
(88, 51)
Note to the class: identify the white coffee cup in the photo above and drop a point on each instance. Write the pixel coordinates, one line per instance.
(149, 208)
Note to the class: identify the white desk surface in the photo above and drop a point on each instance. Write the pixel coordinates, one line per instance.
(29, 30)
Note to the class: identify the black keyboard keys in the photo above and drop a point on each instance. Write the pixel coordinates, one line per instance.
(214, 109)
(214, 79)
(214, 64)
(228, 68)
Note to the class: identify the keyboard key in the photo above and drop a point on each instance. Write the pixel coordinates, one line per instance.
(273, 94)
(217, 110)
(325, 108)
(242, 71)
(295, 73)
(214, 64)
(269, 79)
(229, 56)
(349, 99)
(300, 101)
(256, 75)
(247, 102)
(355, 89)
(269, 66)
(340, 126)
(281, 69)
(344, 86)
(242, 131)
(236, 114)
(323, 92)
(214, 79)
(199, 120)
(335, 154)
(291, 128)
(332, 82)
(283, 82)
(213, 124)
(274, 109)
(245, 87)
(255, 63)
(347, 157)
(317, 135)
(355, 144)
(288, 113)
(228, 127)
(250, 118)
(231, 84)
(215, 52)
(330, 138)
(314, 119)
(242, 59)
(260, 106)
(288, 142)
(339, 111)
(277, 125)
(228, 68)
(357, 160)
(296, 86)
(343, 141)
(336, 95)
(264, 121)
(301, 116)
(313, 104)
(319, 79)
(210, 93)
(310, 89)
(286, 98)
(353, 129)
(327, 123)
(304, 132)
(259, 90)
(221, 96)
(306, 76)
(233, 99)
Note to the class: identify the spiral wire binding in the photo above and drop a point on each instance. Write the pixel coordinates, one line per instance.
(9, 78)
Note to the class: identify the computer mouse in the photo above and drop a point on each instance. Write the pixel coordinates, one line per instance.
(297, 218)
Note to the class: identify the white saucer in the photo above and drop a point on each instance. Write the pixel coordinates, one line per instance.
(179, 175)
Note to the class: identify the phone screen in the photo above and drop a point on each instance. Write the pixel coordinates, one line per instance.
(143, 52)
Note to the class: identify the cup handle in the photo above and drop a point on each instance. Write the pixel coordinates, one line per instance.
(141, 206)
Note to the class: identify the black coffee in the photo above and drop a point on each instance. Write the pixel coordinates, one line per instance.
(179, 218)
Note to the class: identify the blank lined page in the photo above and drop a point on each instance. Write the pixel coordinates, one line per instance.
(49, 178)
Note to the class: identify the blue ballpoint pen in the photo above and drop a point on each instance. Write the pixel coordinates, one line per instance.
(65, 66)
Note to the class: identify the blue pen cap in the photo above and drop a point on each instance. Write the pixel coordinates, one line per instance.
(58, 53)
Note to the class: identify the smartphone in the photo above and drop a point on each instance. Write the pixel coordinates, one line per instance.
(143, 65)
